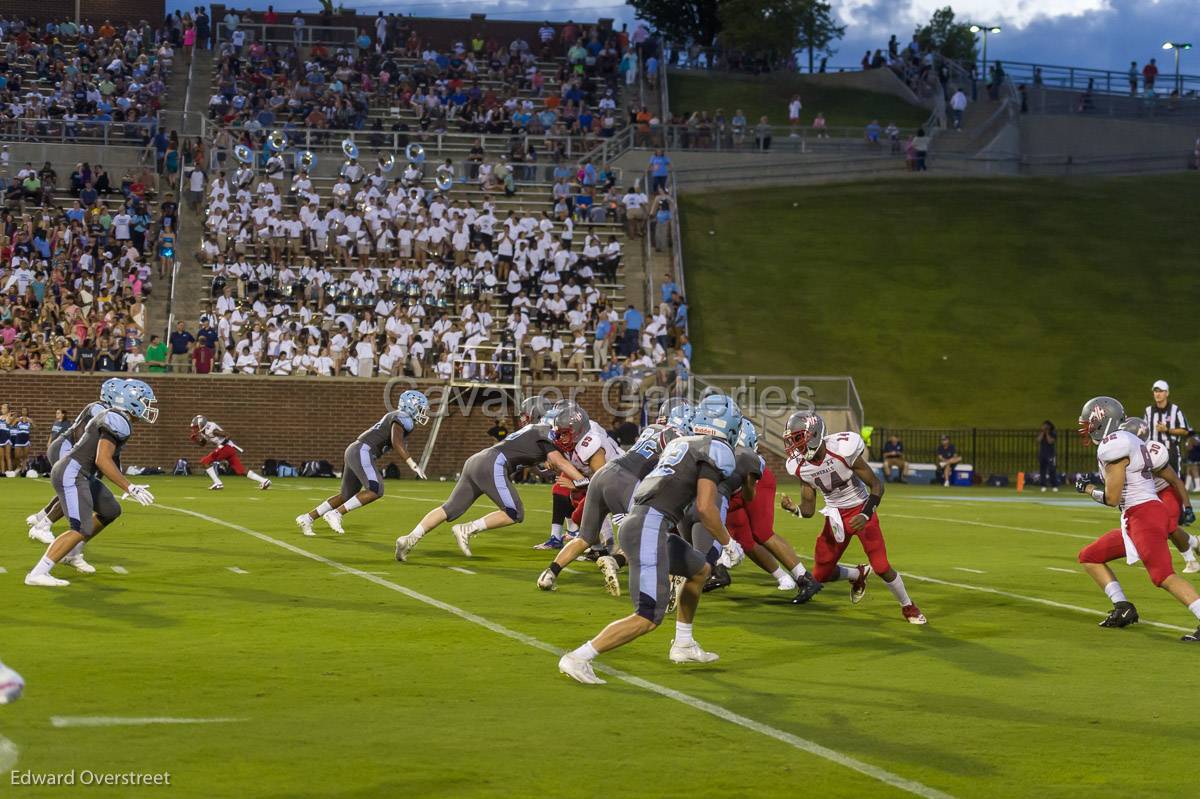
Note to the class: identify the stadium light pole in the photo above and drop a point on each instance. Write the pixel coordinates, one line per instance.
(1177, 47)
(985, 30)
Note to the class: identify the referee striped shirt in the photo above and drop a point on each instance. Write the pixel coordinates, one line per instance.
(1170, 416)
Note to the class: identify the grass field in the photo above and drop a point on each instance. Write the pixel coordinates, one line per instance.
(986, 303)
(769, 96)
(346, 674)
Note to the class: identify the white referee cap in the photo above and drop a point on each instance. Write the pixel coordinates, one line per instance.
(1161, 385)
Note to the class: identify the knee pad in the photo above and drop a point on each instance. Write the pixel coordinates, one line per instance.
(375, 487)
(515, 514)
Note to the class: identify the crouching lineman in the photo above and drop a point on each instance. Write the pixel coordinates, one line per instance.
(490, 472)
(588, 446)
(836, 465)
(206, 432)
(362, 482)
(1128, 473)
(89, 505)
(611, 492)
(687, 473)
(1172, 491)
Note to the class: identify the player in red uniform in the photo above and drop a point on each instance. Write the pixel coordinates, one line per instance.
(206, 433)
(836, 465)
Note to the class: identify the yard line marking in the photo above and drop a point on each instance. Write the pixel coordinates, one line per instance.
(8, 754)
(1064, 571)
(972, 571)
(803, 744)
(460, 569)
(569, 571)
(343, 573)
(120, 570)
(3, 571)
(119, 721)
(234, 569)
(1085, 521)
(988, 524)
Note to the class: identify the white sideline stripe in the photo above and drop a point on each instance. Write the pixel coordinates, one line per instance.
(460, 569)
(234, 569)
(988, 524)
(342, 572)
(8, 754)
(120, 721)
(120, 570)
(972, 571)
(1064, 571)
(875, 772)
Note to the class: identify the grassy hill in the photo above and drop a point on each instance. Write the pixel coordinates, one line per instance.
(769, 96)
(953, 302)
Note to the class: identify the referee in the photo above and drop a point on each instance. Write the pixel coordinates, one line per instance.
(1167, 423)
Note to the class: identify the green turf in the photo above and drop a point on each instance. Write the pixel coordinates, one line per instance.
(348, 688)
(988, 303)
(769, 96)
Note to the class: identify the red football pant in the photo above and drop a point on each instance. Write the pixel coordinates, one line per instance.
(229, 455)
(754, 523)
(1148, 526)
(829, 551)
(1173, 506)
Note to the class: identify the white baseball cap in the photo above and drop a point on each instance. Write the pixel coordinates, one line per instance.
(1161, 385)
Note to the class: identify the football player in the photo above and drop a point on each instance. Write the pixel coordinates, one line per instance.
(89, 505)
(837, 466)
(209, 433)
(750, 519)
(1128, 472)
(589, 446)
(687, 473)
(362, 482)
(490, 472)
(1171, 491)
(611, 491)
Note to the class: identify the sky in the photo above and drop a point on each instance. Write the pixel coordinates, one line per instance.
(1105, 34)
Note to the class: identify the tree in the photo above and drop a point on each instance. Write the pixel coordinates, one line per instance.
(818, 30)
(681, 21)
(950, 39)
(778, 28)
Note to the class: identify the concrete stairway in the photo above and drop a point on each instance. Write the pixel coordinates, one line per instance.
(982, 122)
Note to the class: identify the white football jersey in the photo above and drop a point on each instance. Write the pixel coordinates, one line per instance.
(1139, 472)
(834, 476)
(596, 439)
(1160, 456)
(213, 434)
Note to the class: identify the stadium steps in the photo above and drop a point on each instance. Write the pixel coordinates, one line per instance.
(981, 124)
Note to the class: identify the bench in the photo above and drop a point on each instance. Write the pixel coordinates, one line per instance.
(964, 473)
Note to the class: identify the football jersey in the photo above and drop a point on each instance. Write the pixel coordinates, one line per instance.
(213, 434)
(596, 439)
(20, 434)
(642, 457)
(746, 462)
(112, 425)
(89, 412)
(379, 437)
(1139, 472)
(671, 487)
(1160, 456)
(834, 476)
(526, 447)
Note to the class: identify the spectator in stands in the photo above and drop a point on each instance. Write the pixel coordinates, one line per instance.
(920, 147)
(660, 227)
(793, 112)
(1133, 78)
(1149, 75)
(156, 355)
(762, 135)
(947, 458)
(872, 133)
(893, 459)
(1047, 439)
(181, 347)
(958, 106)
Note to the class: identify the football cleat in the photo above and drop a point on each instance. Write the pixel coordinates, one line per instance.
(608, 567)
(47, 580)
(304, 522)
(1192, 637)
(404, 545)
(334, 520)
(547, 580)
(216, 486)
(808, 587)
(41, 533)
(691, 653)
(913, 614)
(1191, 567)
(550, 543)
(578, 669)
(719, 578)
(264, 485)
(786, 583)
(593, 554)
(1123, 614)
(77, 563)
(462, 536)
(858, 588)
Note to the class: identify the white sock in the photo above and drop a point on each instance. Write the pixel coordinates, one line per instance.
(848, 573)
(1195, 608)
(43, 566)
(40, 517)
(256, 477)
(418, 532)
(779, 574)
(477, 526)
(1114, 592)
(556, 531)
(211, 471)
(683, 634)
(897, 588)
(1189, 555)
(1193, 542)
(571, 527)
(349, 505)
(799, 571)
(324, 508)
(587, 651)
(77, 551)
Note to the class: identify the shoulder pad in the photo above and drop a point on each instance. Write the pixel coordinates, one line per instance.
(847, 446)
(404, 420)
(792, 465)
(1115, 446)
(721, 456)
(116, 424)
(1160, 456)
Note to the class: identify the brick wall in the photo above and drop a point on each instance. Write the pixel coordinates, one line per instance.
(95, 11)
(287, 418)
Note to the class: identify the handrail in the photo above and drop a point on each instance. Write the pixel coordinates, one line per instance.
(79, 131)
(1105, 81)
(285, 33)
(180, 205)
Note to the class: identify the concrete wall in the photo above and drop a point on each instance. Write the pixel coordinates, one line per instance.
(65, 156)
(1082, 136)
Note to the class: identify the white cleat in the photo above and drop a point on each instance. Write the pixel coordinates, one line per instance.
(404, 545)
(77, 563)
(47, 580)
(334, 520)
(691, 653)
(608, 567)
(216, 486)
(462, 536)
(547, 581)
(787, 583)
(304, 522)
(264, 485)
(675, 588)
(1191, 567)
(579, 670)
(41, 533)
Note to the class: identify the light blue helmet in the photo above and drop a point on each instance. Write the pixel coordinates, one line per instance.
(416, 405)
(747, 435)
(717, 415)
(137, 399)
(110, 388)
(680, 418)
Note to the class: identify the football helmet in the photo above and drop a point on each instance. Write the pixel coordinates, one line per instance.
(804, 434)
(416, 405)
(137, 399)
(570, 424)
(1136, 425)
(665, 410)
(532, 410)
(1100, 417)
(717, 415)
(110, 388)
(747, 435)
(198, 422)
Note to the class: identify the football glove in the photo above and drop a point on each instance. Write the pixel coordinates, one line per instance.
(417, 470)
(1081, 483)
(141, 494)
(1187, 516)
(731, 554)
